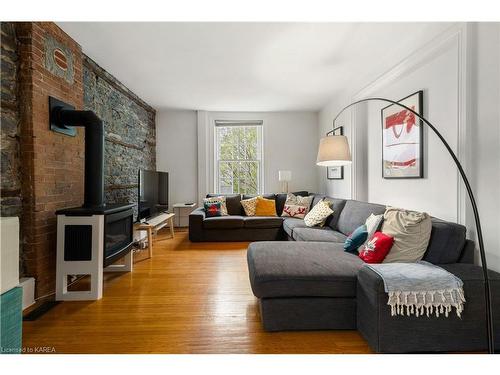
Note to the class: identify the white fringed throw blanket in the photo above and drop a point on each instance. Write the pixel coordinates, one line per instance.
(420, 288)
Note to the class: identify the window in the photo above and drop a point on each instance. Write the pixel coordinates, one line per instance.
(238, 157)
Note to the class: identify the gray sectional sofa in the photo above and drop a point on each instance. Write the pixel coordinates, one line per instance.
(308, 282)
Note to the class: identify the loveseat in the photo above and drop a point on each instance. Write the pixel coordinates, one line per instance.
(309, 282)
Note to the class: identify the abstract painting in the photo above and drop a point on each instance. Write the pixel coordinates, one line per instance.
(402, 139)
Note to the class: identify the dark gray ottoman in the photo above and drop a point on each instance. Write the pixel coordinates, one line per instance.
(404, 334)
(304, 286)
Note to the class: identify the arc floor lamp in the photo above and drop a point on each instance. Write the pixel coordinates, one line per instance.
(334, 151)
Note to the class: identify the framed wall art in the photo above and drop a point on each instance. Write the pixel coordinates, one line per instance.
(335, 173)
(402, 139)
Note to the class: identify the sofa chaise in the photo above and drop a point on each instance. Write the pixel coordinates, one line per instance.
(308, 282)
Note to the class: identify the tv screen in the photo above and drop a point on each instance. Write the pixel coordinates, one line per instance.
(153, 194)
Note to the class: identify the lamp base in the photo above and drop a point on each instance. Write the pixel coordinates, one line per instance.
(284, 187)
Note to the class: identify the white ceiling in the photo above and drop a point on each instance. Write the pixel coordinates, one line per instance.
(247, 66)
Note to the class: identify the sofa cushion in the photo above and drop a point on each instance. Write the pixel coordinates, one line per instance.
(297, 206)
(355, 214)
(411, 231)
(232, 203)
(217, 199)
(289, 225)
(249, 206)
(318, 214)
(325, 234)
(223, 222)
(262, 222)
(280, 203)
(356, 239)
(265, 207)
(377, 248)
(302, 269)
(446, 243)
(337, 206)
(281, 199)
(213, 209)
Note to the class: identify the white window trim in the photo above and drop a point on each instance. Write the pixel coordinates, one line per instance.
(215, 159)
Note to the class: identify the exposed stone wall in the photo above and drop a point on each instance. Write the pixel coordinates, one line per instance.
(129, 125)
(42, 171)
(10, 158)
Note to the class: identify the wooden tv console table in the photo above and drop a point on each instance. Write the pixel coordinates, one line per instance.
(153, 225)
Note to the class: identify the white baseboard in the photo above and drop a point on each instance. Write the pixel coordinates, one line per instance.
(28, 285)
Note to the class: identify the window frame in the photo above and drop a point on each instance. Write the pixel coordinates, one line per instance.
(259, 125)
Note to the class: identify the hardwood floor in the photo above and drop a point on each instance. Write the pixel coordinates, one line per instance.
(189, 298)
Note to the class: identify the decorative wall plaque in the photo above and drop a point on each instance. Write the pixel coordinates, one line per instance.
(58, 59)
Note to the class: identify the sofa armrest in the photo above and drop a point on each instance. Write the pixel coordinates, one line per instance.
(371, 282)
(468, 252)
(387, 334)
(196, 218)
(471, 275)
(369, 279)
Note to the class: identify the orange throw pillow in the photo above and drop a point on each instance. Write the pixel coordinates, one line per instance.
(265, 207)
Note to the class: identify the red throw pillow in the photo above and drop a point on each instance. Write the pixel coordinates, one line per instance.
(377, 248)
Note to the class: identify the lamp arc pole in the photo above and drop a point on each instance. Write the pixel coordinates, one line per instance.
(487, 291)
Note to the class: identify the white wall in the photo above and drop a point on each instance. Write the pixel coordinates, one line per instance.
(290, 143)
(459, 72)
(436, 193)
(177, 153)
(486, 136)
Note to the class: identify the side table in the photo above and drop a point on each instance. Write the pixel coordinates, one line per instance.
(182, 211)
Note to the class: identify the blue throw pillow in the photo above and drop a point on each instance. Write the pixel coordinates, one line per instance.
(212, 209)
(356, 239)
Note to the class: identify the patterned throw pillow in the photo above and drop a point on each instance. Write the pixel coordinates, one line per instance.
(249, 206)
(356, 239)
(372, 224)
(376, 249)
(291, 210)
(221, 199)
(212, 209)
(265, 207)
(296, 206)
(319, 214)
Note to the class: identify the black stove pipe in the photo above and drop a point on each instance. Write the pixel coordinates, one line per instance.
(94, 151)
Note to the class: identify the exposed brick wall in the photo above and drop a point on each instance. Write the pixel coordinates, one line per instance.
(52, 163)
(10, 158)
(129, 125)
(42, 170)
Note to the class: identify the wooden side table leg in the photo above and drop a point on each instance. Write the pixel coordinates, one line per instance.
(150, 242)
(172, 226)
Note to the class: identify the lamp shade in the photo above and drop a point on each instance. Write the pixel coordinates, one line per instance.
(285, 176)
(333, 151)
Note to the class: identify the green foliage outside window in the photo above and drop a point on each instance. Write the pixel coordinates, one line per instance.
(238, 159)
